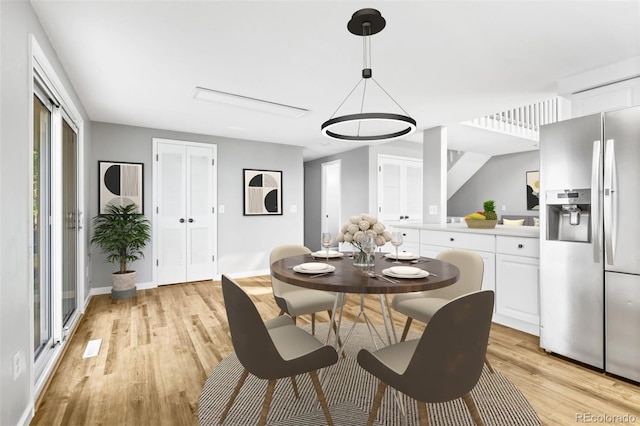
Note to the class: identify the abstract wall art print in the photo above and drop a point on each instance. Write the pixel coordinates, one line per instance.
(120, 184)
(262, 192)
(533, 190)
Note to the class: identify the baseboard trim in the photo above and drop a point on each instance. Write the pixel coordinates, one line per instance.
(107, 290)
(248, 274)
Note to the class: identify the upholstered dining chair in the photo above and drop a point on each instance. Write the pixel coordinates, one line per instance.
(444, 364)
(294, 300)
(423, 305)
(272, 350)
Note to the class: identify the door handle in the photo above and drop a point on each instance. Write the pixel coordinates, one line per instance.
(181, 220)
(596, 183)
(190, 220)
(610, 211)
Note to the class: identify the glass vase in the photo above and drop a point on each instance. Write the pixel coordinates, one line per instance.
(361, 259)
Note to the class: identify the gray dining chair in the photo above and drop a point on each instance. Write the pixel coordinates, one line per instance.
(444, 364)
(272, 350)
(294, 300)
(423, 305)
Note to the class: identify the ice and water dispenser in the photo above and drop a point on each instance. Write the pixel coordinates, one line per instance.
(569, 215)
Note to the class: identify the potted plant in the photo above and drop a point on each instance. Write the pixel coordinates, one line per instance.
(122, 234)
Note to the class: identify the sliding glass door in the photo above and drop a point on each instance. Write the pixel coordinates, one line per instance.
(55, 224)
(42, 301)
(70, 220)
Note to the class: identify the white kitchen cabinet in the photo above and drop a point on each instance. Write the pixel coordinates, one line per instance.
(433, 242)
(410, 241)
(517, 302)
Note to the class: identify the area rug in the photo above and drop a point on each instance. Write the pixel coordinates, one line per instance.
(349, 391)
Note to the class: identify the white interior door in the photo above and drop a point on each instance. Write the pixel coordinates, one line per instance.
(200, 212)
(399, 189)
(185, 231)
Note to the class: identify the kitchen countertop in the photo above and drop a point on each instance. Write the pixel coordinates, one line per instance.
(507, 230)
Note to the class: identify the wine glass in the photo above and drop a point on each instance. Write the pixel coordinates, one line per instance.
(326, 239)
(396, 241)
(369, 247)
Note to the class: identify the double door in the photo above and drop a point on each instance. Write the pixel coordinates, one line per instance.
(185, 231)
(399, 189)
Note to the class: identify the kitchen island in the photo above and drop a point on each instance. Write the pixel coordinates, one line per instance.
(511, 264)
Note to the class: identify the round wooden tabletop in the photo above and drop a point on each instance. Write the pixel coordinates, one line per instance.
(351, 279)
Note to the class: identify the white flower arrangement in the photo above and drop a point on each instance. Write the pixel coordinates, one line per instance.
(360, 226)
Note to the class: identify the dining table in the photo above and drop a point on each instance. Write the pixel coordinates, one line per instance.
(343, 277)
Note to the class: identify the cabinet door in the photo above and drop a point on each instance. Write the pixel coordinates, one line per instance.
(489, 278)
(517, 294)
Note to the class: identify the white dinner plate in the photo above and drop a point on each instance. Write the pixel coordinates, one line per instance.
(395, 274)
(314, 268)
(402, 256)
(322, 253)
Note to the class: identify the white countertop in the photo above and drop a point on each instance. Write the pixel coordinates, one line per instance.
(512, 231)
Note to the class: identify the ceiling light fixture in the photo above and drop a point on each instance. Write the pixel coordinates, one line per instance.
(248, 103)
(368, 126)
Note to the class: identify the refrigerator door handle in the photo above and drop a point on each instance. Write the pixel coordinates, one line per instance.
(610, 212)
(596, 172)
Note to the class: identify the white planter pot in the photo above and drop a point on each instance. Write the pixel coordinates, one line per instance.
(124, 285)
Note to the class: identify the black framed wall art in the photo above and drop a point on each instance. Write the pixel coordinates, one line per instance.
(121, 184)
(262, 192)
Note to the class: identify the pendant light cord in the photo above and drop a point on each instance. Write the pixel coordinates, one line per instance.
(390, 97)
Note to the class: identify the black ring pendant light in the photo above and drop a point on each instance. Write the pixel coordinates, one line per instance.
(365, 23)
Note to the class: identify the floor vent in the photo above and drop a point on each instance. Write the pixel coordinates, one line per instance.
(92, 349)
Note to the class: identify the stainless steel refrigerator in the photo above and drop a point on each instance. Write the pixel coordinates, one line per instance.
(590, 240)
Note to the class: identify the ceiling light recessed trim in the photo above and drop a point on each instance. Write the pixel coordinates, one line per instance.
(217, 96)
(366, 22)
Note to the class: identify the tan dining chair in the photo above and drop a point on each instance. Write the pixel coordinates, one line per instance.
(424, 304)
(272, 350)
(294, 300)
(444, 364)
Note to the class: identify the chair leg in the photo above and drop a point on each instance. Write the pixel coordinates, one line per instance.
(295, 387)
(486, 361)
(313, 323)
(268, 396)
(423, 413)
(233, 396)
(320, 394)
(407, 325)
(471, 405)
(294, 320)
(382, 386)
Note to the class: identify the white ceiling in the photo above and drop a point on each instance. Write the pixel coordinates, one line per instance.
(138, 62)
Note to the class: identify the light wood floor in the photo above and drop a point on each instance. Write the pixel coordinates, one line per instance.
(158, 349)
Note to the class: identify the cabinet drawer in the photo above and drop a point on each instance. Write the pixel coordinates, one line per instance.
(461, 240)
(518, 246)
(409, 235)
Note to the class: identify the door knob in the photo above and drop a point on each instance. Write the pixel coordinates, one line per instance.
(190, 220)
(181, 220)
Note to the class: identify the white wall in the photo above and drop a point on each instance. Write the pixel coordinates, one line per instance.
(244, 242)
(354, 191)
(17, 21)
